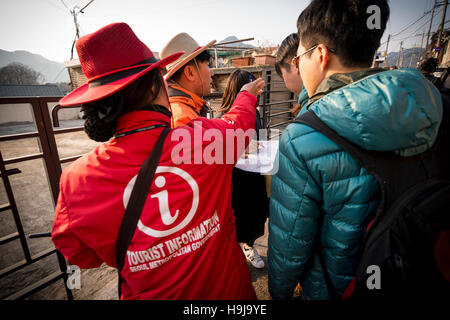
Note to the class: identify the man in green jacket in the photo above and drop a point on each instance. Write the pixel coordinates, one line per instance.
(321, 198)
(289, 72)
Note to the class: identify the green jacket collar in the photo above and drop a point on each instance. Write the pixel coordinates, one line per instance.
(396, 110)
(339, 80)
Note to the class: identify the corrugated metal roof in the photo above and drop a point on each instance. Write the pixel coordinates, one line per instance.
(47, 90)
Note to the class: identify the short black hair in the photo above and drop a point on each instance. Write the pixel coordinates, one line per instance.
(286, 52)
(202, 57)
(429, 65)
(343, 26)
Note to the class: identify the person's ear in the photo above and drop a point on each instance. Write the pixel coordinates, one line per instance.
(189, 72)
(294, 68)
(323, 57)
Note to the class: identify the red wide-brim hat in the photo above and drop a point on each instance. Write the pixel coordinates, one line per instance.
(111, 59)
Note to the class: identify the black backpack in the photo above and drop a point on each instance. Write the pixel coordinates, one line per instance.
(405, 252)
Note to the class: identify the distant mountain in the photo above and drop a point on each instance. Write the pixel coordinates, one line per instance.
(410, 57)
(237, 44)
(52, 71)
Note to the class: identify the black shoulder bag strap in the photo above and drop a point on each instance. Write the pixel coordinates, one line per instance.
(136, 203)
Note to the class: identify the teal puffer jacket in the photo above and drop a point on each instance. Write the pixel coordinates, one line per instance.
(395, 110)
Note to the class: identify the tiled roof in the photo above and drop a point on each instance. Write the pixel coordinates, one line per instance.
(47, 90)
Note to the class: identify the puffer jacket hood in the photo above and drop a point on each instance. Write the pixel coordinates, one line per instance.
(395, 110)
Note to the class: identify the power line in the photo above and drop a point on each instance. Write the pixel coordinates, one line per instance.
(81, 10)
(439, 8)
(65, 5)
(428, 21)
(410, 25)
(412, 34)
(409, 37)
(56, 77)
(53, 5)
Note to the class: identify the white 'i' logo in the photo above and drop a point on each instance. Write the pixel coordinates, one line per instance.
(163, 201)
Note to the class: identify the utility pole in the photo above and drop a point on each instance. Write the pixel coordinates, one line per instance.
(441, 27)
(412, 56)
(400, 56)
(431, 22)
(74, 12)
(419, 50)
(386, 51)
(421, 42)
(215, 57)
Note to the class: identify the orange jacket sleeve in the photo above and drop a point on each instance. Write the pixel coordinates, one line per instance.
(181, 114)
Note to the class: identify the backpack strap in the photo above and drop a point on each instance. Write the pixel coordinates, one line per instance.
(364, 157)
(136, 203)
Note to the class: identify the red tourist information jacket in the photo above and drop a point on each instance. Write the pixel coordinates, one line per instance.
(185, 245)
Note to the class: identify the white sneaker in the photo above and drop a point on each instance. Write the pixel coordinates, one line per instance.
(252, 255)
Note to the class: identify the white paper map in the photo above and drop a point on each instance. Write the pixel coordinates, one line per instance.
(263, 161)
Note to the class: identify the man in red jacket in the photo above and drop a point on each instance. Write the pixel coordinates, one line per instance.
(184, 246)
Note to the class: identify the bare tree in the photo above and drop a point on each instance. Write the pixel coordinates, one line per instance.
(17, 73)
(65, 87)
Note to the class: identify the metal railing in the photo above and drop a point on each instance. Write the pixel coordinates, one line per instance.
(265, 102)
(49, 154)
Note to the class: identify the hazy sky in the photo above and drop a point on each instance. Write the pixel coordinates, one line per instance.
(46, 27)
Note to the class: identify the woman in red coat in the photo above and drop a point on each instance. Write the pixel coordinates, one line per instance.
(184, 245)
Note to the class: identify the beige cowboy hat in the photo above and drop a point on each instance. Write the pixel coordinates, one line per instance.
(181, 42)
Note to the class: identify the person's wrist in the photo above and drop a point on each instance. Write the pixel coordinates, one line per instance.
(246, 90)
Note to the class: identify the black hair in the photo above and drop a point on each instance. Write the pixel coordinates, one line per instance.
(234, 84)
(101, 116)
(202, 57)
(344, 27)
(286, 52)
(429, 65)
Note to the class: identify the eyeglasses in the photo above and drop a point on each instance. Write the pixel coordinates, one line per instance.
(296, 59)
